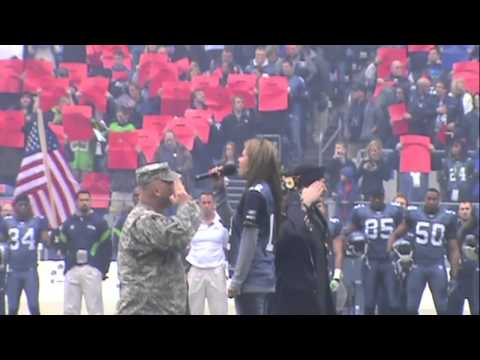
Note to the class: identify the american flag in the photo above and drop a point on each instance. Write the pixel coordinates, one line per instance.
(32, 179)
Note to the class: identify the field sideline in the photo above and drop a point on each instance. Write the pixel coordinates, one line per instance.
(51, 293)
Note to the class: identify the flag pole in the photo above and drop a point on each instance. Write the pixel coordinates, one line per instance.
(44, 148)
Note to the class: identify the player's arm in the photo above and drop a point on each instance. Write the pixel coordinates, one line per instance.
(339, 248)
(454, 256)
(397, 234)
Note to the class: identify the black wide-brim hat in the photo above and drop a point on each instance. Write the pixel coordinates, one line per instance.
(307, 174)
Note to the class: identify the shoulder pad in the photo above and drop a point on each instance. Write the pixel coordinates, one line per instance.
(395, 205)
(257, 188)
(335, 220)
(450, 212)
(412, 207)
(359, 206)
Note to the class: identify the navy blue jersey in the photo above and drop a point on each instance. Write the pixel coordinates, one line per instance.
(377, 226)
(431, 232)
(23, 237)
(334, 227)
(459, 176)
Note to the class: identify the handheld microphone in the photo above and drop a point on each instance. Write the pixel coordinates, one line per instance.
(226, 170)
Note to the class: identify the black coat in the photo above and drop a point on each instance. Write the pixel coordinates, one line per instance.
(301, 265)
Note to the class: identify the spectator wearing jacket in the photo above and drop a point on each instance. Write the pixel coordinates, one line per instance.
(260, 64)
(85, 241)
(177, 156)
(239, 126)
(374, 169)
(422, 109)
(359, 118)
(434, 69)
(335, 166)
(274, 58)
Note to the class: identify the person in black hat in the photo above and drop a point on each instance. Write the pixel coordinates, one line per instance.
(302, 281)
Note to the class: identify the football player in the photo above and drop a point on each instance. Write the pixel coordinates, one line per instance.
(377, 221)
(432, 228)
(23, 232)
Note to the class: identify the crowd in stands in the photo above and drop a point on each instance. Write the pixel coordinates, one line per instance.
(378, 94)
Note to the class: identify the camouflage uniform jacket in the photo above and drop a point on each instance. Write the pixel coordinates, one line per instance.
(150, 260)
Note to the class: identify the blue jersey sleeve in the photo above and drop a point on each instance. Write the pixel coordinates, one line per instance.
(451, 231)
(253, 209)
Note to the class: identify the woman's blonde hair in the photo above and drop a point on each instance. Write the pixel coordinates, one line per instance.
(264, 165)
(374, 143)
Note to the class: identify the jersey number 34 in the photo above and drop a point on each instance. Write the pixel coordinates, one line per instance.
(27, 239)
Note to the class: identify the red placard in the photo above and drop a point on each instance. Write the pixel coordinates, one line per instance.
(148, 142)
(467, 66)
(244, 85)
(149, 63)
(76, 72)
(203, 82)
(38, 73)
(93, 90)
(199, 119)
(52, 92)
(156, 123)
(108, 62)
(94, 54)
(121, 150)
(415, 155)
(77, 122)
(388, 55)
(11, 125)
(399, 123)
(420, 48)
(184, 132)
(183, 65)
(176, 98)
(163, 73)
(219, 102)
(10, 72)
(273, 93)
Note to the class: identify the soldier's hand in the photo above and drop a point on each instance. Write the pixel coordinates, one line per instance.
(313, 193)
(180, 195)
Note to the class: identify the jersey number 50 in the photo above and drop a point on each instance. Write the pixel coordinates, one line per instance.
(27, 239)
(425, 231)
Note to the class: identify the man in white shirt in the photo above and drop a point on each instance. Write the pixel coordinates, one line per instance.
(207, 277)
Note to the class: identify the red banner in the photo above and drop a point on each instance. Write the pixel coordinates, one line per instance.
(203, 82)
(52, 92)
(176, 98)
(200, 120)
(163, 73)
(148, 142)
(76, 72)
(244, 85)
(399, 123)
(10, 72)
(148, 66)
(156, 123)
(93, 90)
(273, 93)
(184, 132)
(11, 125)
(38, 73)
(121, 150)
(77, 122)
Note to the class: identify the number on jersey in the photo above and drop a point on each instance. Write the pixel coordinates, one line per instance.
(425, 232)
(373, 226)
(27, 239)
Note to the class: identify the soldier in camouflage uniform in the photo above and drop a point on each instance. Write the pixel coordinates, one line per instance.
(150, 255)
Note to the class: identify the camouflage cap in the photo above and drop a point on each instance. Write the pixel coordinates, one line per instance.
(146, 174)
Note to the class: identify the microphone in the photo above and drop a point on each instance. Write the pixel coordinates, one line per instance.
(226, 170)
